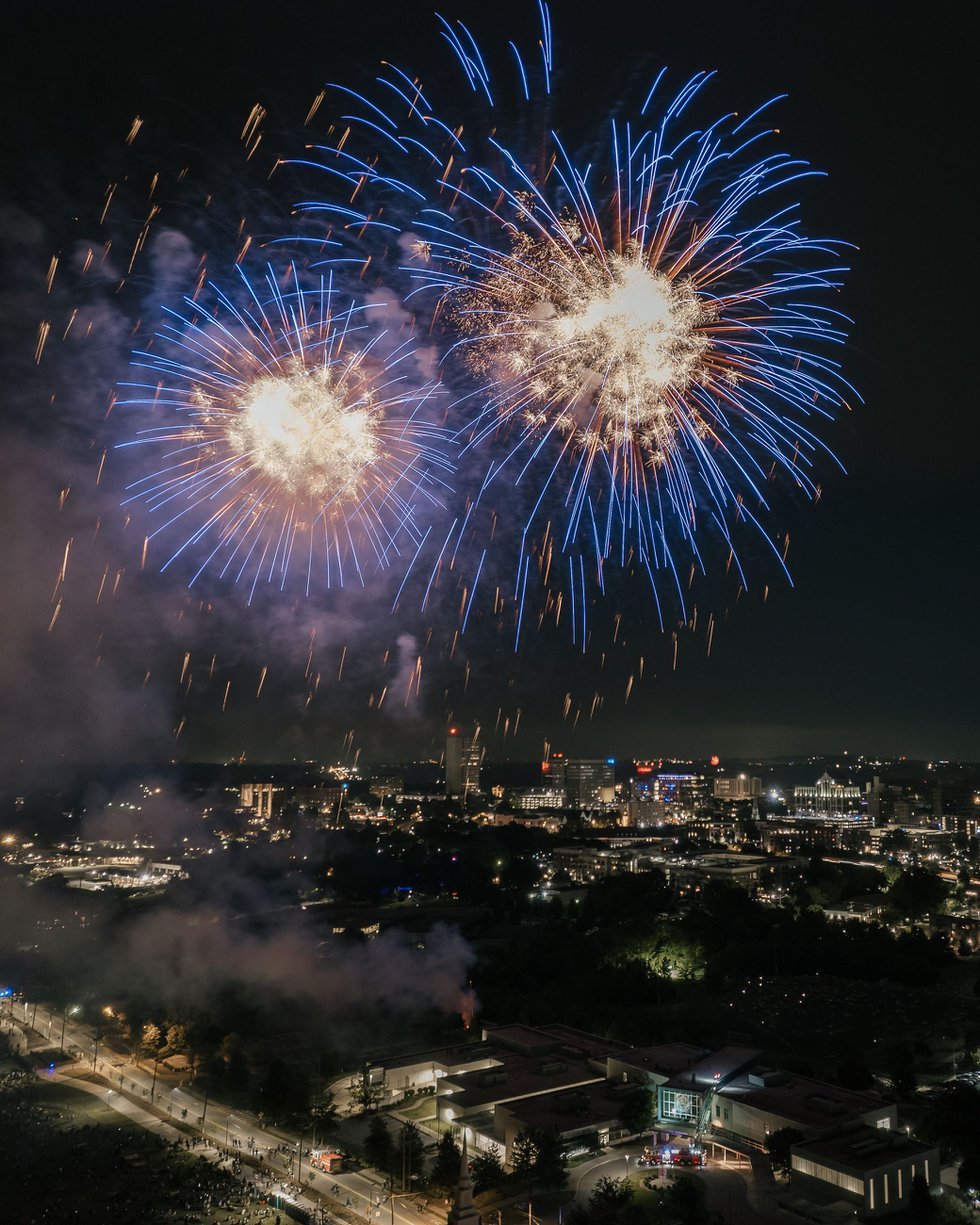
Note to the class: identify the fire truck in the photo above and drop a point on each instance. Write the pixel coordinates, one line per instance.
(330, 1163)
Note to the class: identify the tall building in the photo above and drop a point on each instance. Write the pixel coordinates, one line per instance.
(260, 797)
(737, 787)
(463, 758)
(590, 781)
(553, 772)
(827, 800)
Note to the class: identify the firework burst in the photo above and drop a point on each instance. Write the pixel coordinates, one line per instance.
(647, 326)
(295, 438)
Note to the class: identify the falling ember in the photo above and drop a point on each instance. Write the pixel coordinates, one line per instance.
(317, 103)
(52, 269)
(64, 568)
(54, 616)
(224, 702)
(134, 130)
(43, 331)
(146, 545)
(180, 728)
(258, 691)
(183, 670)
(340, 670)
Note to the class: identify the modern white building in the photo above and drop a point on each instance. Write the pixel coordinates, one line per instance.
(869, 1167)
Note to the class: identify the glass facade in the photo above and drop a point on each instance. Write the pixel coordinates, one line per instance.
(680, 1104)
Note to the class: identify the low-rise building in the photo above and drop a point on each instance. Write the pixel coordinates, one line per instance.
(761, 1101)
(869, 1167)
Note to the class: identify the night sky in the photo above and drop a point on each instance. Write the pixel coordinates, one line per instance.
(872, 650)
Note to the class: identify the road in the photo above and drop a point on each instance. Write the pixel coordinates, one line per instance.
(235, 1131)
(726, 1185)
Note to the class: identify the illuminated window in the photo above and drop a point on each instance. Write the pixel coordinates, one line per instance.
(846, 1182)
(678, 1104)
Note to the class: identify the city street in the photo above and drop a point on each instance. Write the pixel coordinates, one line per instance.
(230, 1131)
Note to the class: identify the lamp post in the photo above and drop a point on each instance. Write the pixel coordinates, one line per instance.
(69, 1012)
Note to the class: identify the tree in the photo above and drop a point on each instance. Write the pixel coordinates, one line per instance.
(176, 1037)
(445, 1168)
(379, 1149)
(523, 1157)
(364, 1093)
(412, 1154)
(684, 1201)
(151, 1037)
(951, 1118)
(968, 1177)
(778, 1145)
(920, 1201)
(488, 1170)
(900, 1067)
(636, 1110)
(917, 891)
(550, 1160)
(283, 1090)
(237, 1073)
(612, 1202)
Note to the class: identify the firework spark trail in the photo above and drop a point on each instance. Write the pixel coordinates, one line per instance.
(291, 440)
(648, 334)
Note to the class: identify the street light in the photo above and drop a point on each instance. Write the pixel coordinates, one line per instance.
(69, 1012)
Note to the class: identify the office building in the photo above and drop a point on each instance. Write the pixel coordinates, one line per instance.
(463, 757)
(828, 801)
(590, 782)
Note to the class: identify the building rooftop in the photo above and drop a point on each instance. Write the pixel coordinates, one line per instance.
(667, 1059)
(810, 1103)
(442, 1056)
(862, 1149)
(585, 1045)
(522, 1038)
(514, 1077)
(716, 1068)
(571, 1109)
